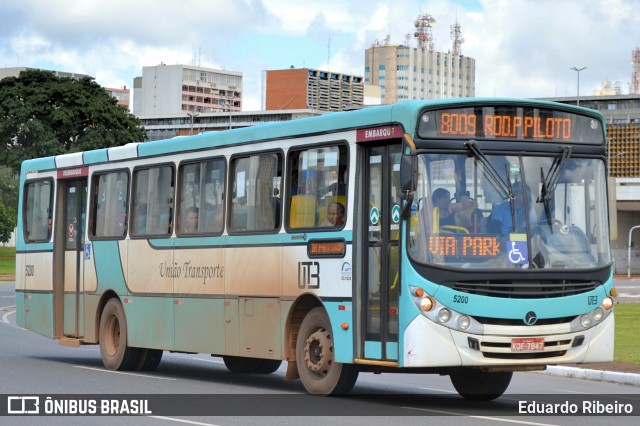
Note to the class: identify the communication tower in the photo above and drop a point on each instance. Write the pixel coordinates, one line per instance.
(456, 36)
(635, 74)
(424, 23)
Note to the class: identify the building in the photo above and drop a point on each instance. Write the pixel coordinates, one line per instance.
(171, 126)
(182, 89)
(305, 88)
(122, 95)
(405, 73)
(15, 72)
(622, 113)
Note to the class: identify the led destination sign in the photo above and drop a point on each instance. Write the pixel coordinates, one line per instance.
(510, 122)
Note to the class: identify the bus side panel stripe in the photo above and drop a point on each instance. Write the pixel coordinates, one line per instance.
(109, 267)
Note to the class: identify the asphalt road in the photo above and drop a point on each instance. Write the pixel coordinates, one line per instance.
(198, 389)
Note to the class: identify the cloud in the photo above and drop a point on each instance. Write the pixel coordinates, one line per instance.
(522, 48)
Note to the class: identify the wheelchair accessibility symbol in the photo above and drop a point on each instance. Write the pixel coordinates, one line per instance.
(518, 252)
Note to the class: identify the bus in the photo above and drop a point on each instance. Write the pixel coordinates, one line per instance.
(465, 237)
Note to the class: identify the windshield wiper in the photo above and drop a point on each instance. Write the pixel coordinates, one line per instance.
(550, 182)
(492, 173)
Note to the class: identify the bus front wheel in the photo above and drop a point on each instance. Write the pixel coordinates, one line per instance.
(478, 385)
(315, 358)
(115, 353)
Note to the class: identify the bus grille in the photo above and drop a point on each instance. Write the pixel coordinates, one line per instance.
(518, 322)
(524, 289)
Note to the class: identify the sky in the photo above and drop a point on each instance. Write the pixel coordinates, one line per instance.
(522, 48)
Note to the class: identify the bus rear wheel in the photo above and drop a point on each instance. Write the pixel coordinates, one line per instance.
(315, 358)
(240, 364)
(115, 353)
(478, 385)
(149, 359)
(268, 366)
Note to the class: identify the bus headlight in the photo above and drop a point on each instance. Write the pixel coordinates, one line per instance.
(585, 320)
(598, 314)
(607, 303)
(464, 322)
(444, 315)
(426, 304)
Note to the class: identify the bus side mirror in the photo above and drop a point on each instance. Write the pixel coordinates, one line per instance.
(408, 173)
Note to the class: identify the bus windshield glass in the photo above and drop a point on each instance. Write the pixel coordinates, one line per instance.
(510, 211)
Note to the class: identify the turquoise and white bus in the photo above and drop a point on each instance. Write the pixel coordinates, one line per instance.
(463, 237)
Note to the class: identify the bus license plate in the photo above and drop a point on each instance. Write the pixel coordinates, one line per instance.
(527, 345)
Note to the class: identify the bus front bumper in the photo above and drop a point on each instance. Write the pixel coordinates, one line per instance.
(428, 344)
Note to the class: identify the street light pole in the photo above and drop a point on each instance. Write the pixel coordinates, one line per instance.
(192, 115)
(577, 70)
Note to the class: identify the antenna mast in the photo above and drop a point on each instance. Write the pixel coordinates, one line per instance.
(635, 74)
(456, 36)
(424, 23)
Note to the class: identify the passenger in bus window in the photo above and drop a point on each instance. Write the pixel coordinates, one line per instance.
(441, 199)
(446, 212)
(49, 226)
(191, 221)
(335, 215)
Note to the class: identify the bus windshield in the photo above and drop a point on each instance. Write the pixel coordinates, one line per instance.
(510, 211)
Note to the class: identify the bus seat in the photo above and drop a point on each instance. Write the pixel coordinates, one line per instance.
(303, 211)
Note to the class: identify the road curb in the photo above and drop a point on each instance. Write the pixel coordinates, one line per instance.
(597, 375)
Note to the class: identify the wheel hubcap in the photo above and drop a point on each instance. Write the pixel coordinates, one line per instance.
(318, 351)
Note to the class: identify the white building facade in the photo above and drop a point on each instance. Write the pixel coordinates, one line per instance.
(185, 89)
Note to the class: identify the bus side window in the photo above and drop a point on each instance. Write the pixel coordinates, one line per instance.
(38, 211)
(256, 183)
(110, 202)
(153, 202)
(201, 197)
(318, 182)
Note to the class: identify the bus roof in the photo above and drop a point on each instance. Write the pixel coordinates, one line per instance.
(405, 113)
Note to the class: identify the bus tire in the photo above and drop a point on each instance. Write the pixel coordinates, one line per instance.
(149, 359)
(268, 366)
(478, 385)
(115, 353)
(240, 364)
(315, 358)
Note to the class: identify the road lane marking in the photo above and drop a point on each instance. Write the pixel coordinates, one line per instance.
(122, 372)
(438, 390)
(172, 419)
(572, 391)
(496, 419)
(208, 360)
(5, 317)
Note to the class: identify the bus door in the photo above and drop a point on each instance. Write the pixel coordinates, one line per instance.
(381, 257)
(70, 245)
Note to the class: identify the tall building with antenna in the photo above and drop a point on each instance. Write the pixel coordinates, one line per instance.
(404, 72)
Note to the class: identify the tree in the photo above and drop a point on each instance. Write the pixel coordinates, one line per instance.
(8, 202)
(7, 224)
(43, 115)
